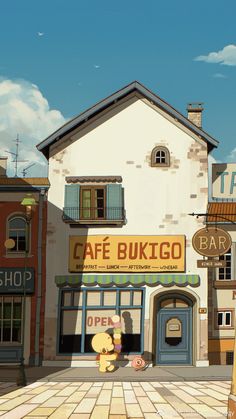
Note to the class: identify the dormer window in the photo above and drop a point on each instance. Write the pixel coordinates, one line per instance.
(160, 157)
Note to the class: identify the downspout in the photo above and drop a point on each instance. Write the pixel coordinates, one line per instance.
(37, 361)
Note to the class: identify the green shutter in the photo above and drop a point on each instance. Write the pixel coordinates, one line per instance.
(71, 207)
(114, 202)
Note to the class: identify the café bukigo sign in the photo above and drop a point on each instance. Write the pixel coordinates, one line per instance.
(127, 253)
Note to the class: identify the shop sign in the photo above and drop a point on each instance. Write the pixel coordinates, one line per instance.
(12, 280)
(127, 254)
(211, 263)
(224, 180)
(211, 241)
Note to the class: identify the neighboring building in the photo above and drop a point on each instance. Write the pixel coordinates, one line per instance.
(222, 288)
(124, 177)
(24, 259)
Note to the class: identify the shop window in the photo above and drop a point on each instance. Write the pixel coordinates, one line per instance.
(78, 299)
(109, 298)
(125, 298)
(93, 298)
(10, 319)
(160, 157)
(17, 232)
(137, 298)
(80, 322)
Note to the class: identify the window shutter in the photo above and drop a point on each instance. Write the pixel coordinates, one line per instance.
(114, 202)
(71, 207)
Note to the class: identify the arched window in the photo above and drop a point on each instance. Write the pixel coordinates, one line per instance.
(17, 232)
(160, 157)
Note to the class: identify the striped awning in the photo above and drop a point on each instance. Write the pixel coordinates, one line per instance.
(123, 280)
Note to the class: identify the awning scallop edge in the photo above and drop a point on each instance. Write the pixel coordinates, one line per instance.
(125, 280)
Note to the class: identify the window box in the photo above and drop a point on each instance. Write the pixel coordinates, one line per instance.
(94, 204)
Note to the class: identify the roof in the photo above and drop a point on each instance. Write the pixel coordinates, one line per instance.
(18, 183)
(97, 179)
(114, 98)
(222, 212)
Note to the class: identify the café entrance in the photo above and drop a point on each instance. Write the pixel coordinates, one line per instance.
(174, 330)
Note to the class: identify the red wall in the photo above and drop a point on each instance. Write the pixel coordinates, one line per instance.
(6, 209)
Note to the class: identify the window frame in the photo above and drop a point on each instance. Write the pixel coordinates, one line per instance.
(8, 229)
(12, 319)
(117, 307)
(92, 208)
(230, 252)
(161, 149)
(224, 311)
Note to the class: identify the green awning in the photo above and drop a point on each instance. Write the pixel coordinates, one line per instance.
(123, 280)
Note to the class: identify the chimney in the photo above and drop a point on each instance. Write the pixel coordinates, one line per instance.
(3, 167)
(195, 113)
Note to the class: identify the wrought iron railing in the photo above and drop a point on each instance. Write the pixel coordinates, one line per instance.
(93, 214)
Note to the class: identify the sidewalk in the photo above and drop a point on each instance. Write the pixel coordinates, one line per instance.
(86, 374)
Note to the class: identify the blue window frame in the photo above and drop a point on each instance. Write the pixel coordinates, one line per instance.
(84, 312)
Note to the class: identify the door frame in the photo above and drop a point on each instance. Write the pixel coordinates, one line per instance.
(157, 307)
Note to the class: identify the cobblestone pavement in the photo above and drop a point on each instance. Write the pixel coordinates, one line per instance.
(116, 400)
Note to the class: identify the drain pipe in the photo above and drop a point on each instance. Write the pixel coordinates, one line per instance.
(37, 361)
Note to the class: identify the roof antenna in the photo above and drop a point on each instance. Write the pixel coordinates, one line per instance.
(24, 171)
(16, 155)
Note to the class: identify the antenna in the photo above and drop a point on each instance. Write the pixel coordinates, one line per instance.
(16, 154)
(24, 171)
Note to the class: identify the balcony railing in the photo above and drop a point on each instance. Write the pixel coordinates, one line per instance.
(95, 214)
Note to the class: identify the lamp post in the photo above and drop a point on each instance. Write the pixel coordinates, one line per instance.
(29, 204)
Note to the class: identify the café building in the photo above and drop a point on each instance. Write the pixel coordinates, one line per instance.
(124, 176)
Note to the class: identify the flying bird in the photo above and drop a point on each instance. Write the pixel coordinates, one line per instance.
(40, 33)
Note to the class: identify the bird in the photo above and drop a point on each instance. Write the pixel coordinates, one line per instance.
(40, 33)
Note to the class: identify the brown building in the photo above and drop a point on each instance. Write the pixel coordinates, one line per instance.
(222, 288)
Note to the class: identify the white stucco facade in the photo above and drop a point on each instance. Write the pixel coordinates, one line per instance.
(157, 201)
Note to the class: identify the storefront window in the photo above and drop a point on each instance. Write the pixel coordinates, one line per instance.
(10, 319)
(90, 312)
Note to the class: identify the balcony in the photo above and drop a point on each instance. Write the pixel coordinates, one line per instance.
(94, 216)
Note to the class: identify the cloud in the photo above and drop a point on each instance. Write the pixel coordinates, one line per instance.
(24, 111)
(219, 76)
(231, 158)
(226, 56)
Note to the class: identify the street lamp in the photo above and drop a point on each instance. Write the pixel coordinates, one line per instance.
(30, 204)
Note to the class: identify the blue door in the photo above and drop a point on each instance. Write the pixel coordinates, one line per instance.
(174, 336)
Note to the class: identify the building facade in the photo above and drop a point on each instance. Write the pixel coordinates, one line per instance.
(22, 269)
(222, 288)
(124, 177)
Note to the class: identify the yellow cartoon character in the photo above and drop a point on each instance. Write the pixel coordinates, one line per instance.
(102, 343)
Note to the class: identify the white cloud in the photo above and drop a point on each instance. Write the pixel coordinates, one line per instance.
(26, 112)
(226, 56)
(231, 158)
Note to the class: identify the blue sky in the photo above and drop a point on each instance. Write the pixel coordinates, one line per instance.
(58, 57)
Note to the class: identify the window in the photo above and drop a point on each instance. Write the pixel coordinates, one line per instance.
(92, 203)
(10, 319)
(160, 157)
(224, 318)
(80, 322)
(17, 232)
(225, 274)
